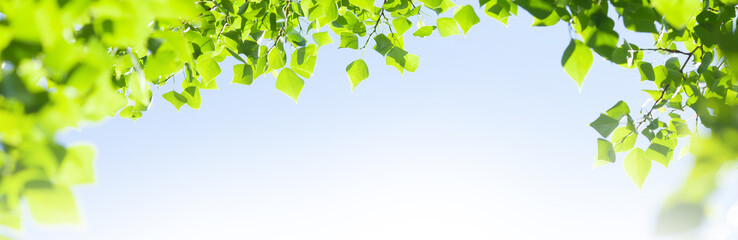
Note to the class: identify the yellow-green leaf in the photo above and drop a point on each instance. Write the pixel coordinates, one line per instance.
(52, 205)
(637, 166)
(76, 166)
(365, 4)
(577, 60)
(322, 38)
(676, 12)
(175, 99)
(466, 17)
(605, 153)
(357, 72)
(289, 83)
(276, 59)
(243, 74)
(447, 27)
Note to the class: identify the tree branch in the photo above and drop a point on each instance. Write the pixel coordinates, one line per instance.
(663, 92)
(663, 49)
(376, 25)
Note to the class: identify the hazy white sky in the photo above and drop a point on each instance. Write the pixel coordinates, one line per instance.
(487, 140)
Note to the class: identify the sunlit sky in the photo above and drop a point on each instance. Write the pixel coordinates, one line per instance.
(487, 140)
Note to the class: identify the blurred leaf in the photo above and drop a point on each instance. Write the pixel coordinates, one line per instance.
(76, 167)
(676, 12)
(52, 205)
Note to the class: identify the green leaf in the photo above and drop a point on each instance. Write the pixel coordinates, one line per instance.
(661, 151)
(243, 74)
(76, 167)
(424, 31)
(401, 25)
(551, 20)
(10, 219)
(128, 112)
(382, 44)
(602, 39)
(676, 12)
(52, 205)
(624, 139)
(397, 58)
(538, 8)
(680, 127)
(447, 27)
(626, 55)
(605, 153)
(349, 40)
(322, 38)
(640, 20)
(676, 218)
(303, 60)
(466, 17)
(295, 38)
(277, 58)
(175, 99)
(289, 83)
(357, 72)
(432, 3)
(604, 125)
(445, 6)
(501, 10)
(646, 71)
(618, 111)
(208, 68)
(365, 4)
(637, 166)
(577, 60)
(139, 88)
(411, 62)
(192, 94)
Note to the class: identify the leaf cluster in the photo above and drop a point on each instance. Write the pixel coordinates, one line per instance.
(66, 62)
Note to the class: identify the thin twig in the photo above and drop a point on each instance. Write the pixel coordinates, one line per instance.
(376, 25)
(663, 49)
(663, 92)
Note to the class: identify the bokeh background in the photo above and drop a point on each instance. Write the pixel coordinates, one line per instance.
(487, 140)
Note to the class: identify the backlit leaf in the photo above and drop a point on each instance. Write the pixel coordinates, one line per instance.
(175, 99)
(447, 27)
(52, 205)
(605, 153)
(289, 83)
(604, 125)
(357, 72)
(577, 60)
(637, 166)
(466, 17)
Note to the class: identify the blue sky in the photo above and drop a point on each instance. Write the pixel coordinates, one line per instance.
(487, 140)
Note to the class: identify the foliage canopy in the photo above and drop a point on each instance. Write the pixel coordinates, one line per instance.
(66, 62)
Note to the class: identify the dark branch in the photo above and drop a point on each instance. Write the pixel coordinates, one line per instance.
(376, 25)
(663, 49)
